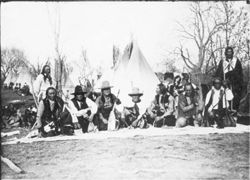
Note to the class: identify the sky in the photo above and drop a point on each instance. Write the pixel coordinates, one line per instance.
(93, 26)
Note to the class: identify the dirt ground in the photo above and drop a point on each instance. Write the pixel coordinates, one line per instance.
(214, 156)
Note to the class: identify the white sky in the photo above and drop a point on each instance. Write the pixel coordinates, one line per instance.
(94, 26)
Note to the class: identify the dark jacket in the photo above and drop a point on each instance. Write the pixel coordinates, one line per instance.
(105, 109)
(48, 114)
(185, 109)
(164, 99)
(235, 78)
(83, 106)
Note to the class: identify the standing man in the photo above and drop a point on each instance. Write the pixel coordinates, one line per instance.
(190, 107)
(231, 69)
(42, 82)
(48, 114)
(82, 107)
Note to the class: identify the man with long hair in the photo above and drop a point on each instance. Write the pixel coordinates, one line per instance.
(105, 104)
(176, 88)
(162, 108)
(42, 82)
(48, 114)
(231, 69)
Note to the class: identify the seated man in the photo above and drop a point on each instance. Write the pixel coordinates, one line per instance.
(82, 108)
(190, 107)
(175, 89)
(48, 114)
(216, 103)
(133, 115)
(105, 104)
(162, 108)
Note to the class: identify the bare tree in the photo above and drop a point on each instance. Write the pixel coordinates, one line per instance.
(60, 58)
(234, 33)
(86, 71)
(11, 60)
(36, 69)
(237, 29)
(212, 28)
(169, 64)
(204, 25)
(85, 62)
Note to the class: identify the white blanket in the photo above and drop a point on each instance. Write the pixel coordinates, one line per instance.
(129, 133)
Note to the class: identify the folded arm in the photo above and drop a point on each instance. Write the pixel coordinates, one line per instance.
(77, 112)
(183, 106)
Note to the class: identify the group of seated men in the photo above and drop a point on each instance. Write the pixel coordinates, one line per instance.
(176, 105)
(18, 88)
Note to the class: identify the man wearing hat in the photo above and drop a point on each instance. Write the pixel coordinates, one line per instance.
(105, 104)
(82, 107)
(132, 115)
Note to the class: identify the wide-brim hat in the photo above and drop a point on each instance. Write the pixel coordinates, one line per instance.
(79, 90)
(105, 85)
(135, 92)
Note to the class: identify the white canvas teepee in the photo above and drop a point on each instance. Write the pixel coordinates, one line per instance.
(137, 73)
(68, 87)
(113, 74)
(132, 70)
(12, 77)
(25, 77)
(22, 76)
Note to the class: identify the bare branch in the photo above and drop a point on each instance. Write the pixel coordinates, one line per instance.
(185, 31)
(185, 59)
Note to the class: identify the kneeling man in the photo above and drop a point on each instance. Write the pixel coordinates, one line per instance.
(190, 108)
(48, 114)
(217, 102)
(133, 115)
(82, 107)
(162, 108)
